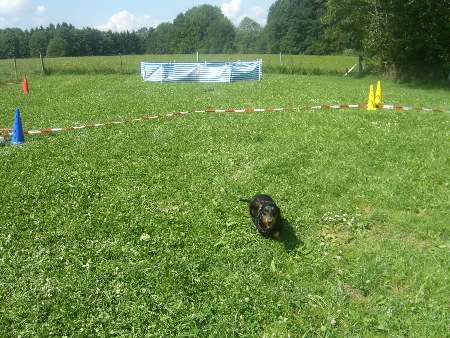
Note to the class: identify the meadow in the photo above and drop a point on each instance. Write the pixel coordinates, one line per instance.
(135, 229)
(130, 64)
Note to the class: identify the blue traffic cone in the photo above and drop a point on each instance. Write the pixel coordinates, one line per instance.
(17, 134)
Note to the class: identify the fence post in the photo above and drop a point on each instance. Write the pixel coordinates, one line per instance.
(42, 62)
(281, 60)
(259, 69)
(15, 69)
(360, 64)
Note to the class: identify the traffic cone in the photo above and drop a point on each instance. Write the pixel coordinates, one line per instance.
(25, 85)
(17, 134)
(378, 95)
(371, 103)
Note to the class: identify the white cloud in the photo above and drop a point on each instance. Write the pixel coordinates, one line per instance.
(15, 7)
(40, 15)
(231, 9)
(40, 10)
(16, 11)
(258, 14)
(126, 20)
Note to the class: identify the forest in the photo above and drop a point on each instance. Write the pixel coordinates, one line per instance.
(407, 39)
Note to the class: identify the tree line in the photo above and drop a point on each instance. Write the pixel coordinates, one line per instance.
(406, 38)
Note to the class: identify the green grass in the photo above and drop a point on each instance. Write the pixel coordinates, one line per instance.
(135, 229)
(130, 64)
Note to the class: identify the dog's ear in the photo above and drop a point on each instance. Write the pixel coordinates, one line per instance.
(257, 203)
(279, 213)
(277, 209)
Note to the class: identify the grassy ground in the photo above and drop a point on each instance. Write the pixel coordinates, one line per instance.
(136, 229)
(130, 64)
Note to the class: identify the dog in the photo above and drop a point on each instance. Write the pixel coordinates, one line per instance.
(266, 215)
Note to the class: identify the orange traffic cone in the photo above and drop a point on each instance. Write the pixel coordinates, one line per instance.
(25, 85)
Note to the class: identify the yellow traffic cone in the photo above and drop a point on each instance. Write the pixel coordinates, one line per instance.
(371, 103)
(378, 95)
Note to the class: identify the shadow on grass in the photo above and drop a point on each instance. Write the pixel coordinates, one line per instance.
(289, 237)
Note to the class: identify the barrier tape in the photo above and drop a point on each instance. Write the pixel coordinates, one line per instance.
(389, 106)
(9, 83)
(252, 110)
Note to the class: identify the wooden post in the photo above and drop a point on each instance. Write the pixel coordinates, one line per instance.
(42, 62)
(15, 69)
(120, 54)
(281, 60)
(360, 64)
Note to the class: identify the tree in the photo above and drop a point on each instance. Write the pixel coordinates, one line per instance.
(205, 29)
(14, 43)
(341, 28)
(9, 44)
(248, 35)
(92, 42)
(220, 36)
(108, 45)
(407, 38)
(69, 34)
(143, 35)
(421, 31)
(38, 42)
(159, 41)
(294, 26)
(58, 47)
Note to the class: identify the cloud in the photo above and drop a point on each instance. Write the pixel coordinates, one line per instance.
(40, 10)
(40, 15)
(258, 14)
(17, 11)
(126, 20)
(231, 9)
(15, 7)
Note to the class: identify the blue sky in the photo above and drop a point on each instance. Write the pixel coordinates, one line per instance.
(118, 15)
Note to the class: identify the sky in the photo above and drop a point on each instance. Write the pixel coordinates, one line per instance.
(118, 15)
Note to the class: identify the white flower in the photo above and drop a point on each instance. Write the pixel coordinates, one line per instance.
(144, 237)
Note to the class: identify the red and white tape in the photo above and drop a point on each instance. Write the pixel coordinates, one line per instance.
(9, 83)
(389, 106)
(252, 110)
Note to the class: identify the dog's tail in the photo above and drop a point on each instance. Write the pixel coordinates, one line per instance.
(247, 200)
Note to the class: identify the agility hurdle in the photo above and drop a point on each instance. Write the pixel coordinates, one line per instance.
(202, 71)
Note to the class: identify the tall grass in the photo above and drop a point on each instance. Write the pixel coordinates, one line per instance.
(130, 64)
(135, 230)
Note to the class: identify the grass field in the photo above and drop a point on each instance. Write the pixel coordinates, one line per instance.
(130, 64)
(135, 230)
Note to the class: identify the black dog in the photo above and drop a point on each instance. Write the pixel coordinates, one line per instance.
(266, 215)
